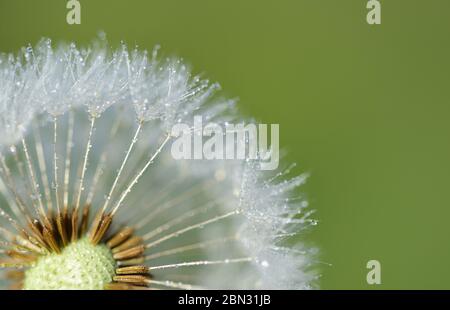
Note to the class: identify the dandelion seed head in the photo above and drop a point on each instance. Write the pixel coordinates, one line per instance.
(17, 86)
(97, 178)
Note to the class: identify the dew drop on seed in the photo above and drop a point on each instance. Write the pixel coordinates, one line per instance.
(313, 222)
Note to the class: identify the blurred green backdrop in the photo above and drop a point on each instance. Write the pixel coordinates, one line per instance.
(364, 108)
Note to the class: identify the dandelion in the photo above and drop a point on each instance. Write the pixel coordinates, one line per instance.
(90, 197)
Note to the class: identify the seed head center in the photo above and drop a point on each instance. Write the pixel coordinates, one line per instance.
(81, 265)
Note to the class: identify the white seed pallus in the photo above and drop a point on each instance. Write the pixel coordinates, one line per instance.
(91, 127)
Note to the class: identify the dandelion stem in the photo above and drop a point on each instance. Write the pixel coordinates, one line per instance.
(68, 158)
(55, 163)
(34, 182)
(101, 165)
(19, 205)
(42, 167)
(177, 220)
(136, 216)
(85, 161)
(132, 144)
(139, 175)
(189, 247)
(189, 228)
(19, 166)
(204, 263)
(194, 190)
(176, 285)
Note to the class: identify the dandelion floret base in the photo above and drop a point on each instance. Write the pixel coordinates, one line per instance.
(81, 265)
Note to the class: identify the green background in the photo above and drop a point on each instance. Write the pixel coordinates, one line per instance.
(364, 108)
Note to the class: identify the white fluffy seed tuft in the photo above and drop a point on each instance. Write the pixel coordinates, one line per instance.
(100, 119)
